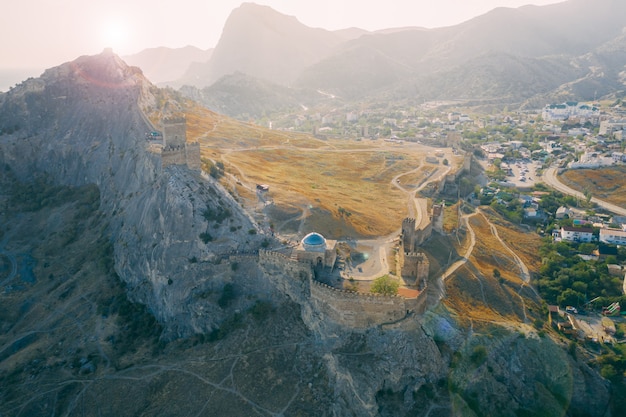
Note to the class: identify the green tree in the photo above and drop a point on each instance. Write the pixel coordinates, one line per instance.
(588, 195)
(385, 285)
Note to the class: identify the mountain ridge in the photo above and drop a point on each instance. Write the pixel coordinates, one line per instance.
(267, 45)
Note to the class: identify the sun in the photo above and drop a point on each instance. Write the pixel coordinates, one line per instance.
(115, 34)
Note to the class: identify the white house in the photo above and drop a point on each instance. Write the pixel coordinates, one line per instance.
(613, 236)
(576, 234)
(563, 213)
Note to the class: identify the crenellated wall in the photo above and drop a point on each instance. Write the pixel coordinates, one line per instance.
(290, 276)
(346, 308)
(356, 310)
(173, 156)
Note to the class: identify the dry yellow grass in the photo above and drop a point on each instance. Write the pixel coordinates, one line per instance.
(524, 243)
(451, 218)
(414, 179)
(605, 183)
(475, 290)
(489, 254)
(350, 181)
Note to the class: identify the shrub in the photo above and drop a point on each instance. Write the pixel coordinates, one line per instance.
(479, 355)
(228, 295)
(385, 285)
(261, 310)
(206, 237)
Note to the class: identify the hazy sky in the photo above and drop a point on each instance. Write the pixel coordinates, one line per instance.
(46, 33)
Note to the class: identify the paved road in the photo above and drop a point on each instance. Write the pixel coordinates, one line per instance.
(551, 179)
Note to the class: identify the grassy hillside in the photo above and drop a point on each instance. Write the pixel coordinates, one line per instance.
(604, 183)
(350, 181)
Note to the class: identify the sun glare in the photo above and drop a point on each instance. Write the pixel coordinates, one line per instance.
(114, 34)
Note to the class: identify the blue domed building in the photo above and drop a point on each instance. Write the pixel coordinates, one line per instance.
(318, 250)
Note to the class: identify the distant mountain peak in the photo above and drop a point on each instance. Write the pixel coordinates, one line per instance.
(259, 41)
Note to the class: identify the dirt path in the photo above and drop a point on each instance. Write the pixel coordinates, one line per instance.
(524, 272)
(456, 265)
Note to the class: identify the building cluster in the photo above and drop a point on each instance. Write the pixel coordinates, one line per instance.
(585, 228)
(570, 110)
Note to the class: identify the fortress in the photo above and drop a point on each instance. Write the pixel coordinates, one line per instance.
(348, 308)
(414, 235)
(413, 263)
(295, 275)
(176, 150)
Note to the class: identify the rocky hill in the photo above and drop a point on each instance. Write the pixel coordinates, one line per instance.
(241, 96)
(90, 219)
(534, 38)
(84, 123)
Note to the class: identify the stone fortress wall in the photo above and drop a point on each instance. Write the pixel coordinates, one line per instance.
(412, 236)
(358, 310)
(288, 275)
(348, 308)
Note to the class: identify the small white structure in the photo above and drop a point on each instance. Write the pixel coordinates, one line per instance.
(576, 234)
(613, 236)
(563, 213)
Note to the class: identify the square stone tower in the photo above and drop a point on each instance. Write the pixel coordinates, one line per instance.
(174, 132)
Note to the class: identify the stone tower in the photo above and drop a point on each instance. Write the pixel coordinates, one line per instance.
(437, 219)
(408, 234)
(414, 267)
(174, 132)
(176, 150)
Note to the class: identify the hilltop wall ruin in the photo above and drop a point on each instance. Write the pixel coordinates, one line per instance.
(176, 150)
(347, 308)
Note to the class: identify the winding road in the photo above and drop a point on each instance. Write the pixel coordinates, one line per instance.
(551, 179)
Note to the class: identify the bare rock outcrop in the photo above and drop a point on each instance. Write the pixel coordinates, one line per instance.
(81, 123)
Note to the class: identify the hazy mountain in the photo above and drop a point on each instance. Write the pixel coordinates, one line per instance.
(534, 35)
(506, 55)
(261, 42)
(243, 96)
(163, 65)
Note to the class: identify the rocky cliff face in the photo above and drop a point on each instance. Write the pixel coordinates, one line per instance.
(81, 123)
